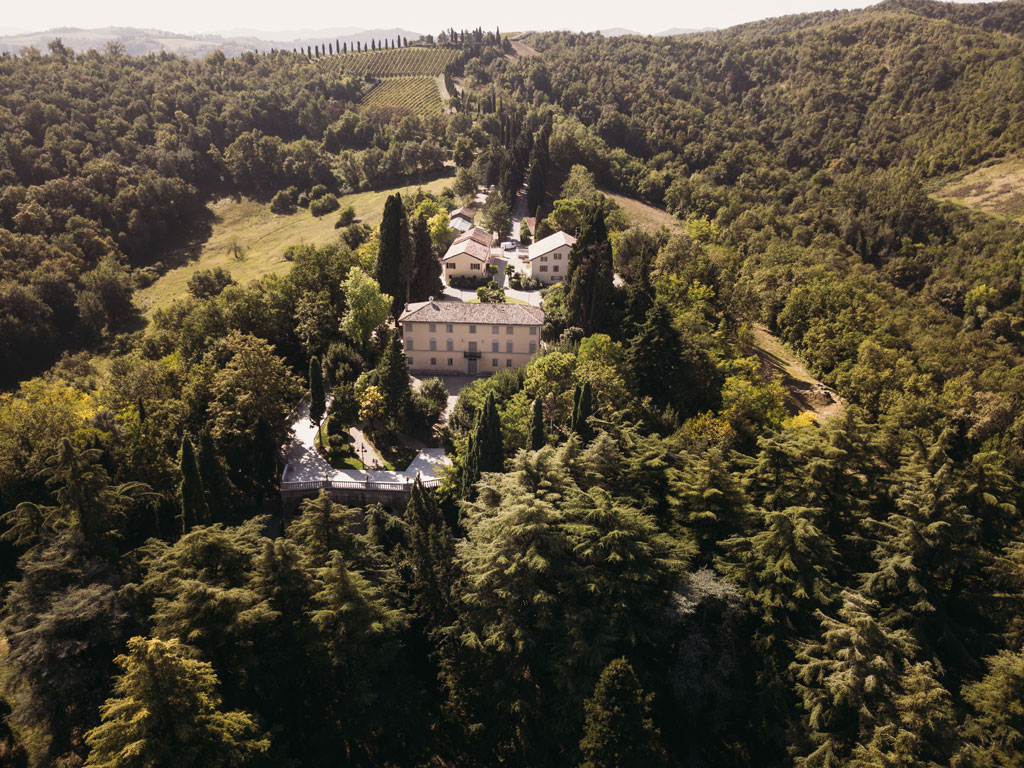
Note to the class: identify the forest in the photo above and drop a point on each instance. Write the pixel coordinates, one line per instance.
(643, 554)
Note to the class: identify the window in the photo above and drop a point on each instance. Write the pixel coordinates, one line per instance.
(408, 359)
(508, 347)
(543, 259)
(433, 361)
(449, 328)
(472, 329)
(533, 330)
(508, 363)
(543, 268)
(509, 329)
(533, 347)
(449, 345)
(494, 362)
(494, 346)
(450, 362)
(495, 329)
(474, 266)
(433, 345)
(408, 342)
(433, 327)
(555, 268)
(558, 257)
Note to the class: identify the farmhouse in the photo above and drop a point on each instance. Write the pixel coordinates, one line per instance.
(547, 259)
(469, 254)
(457, 337)
(461, 219)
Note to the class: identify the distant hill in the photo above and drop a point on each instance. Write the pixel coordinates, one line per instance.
(682, 31)
(142, 41)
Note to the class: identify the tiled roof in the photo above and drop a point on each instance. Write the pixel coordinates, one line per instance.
(549, 243)
(475, 241)
(467, 213)
(479, 234)
(478, 251)
(462, 312)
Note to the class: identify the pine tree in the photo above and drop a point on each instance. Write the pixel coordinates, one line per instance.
(193, 500)
(322, 528)
(848, 680)
(431, 555)
(166, 712)
(394, 253)
(619, 732)
(993, 734)
(317, 398)
(537, 437)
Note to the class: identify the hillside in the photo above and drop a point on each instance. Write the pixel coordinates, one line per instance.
(138, 42)
(745, 490)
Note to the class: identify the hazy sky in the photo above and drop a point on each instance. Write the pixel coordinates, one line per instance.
(207, 16)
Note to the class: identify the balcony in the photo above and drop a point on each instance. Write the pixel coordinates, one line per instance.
(472, 355)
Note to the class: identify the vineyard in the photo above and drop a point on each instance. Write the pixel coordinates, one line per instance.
(417, 94)
(393, 62)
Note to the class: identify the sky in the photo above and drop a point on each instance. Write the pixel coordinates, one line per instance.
(203, 16)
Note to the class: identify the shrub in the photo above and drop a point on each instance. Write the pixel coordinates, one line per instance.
(282, 203)
(323, 205)
(317, 192)
(346, 217)
(209, 282)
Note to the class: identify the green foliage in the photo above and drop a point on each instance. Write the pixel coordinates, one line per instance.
(619, 730)
(193, 498)
(166, 711)
(367, 307)
(317, 397)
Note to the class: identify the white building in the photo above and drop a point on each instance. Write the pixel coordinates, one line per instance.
(461, 219)
(548, 259)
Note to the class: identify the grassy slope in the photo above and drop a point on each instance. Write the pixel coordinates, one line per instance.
(264, 237)
(996, 188)
(644, 215)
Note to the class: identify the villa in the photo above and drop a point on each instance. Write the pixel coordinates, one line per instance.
(457, 337)
(469, 254)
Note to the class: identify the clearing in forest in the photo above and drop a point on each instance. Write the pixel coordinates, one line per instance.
(249, 241)
(803, 391)
(642, 214)
(996, 189)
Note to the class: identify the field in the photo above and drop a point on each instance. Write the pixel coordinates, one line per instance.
(394, 62)
(261, 238)
(997, 189)
(417, 94)
(644, 215)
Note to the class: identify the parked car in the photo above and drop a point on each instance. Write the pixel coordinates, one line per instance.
(508, 245)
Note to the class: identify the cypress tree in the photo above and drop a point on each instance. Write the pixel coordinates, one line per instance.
(264, 452)
(317, 398)
(589, 278)
(583, 408)
(537, 437)
(394, 382)
(394, 253)
(425, 277)
(490, 447)
(141, 408)
(193, 501)
(213, 477)
(619, 732)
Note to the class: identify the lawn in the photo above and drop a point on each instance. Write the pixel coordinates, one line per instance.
(249, 241)
(996, 188)
(342, 458)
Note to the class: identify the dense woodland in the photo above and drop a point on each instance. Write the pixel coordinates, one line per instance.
(641, 555)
